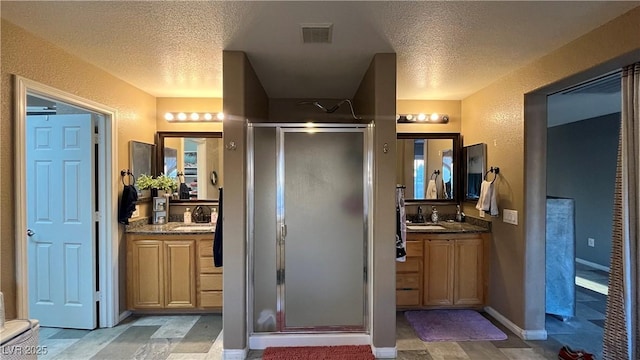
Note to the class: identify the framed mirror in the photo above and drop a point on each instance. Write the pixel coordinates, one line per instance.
(475, 168)
(142, 159)
(193, 159)
(429, 166)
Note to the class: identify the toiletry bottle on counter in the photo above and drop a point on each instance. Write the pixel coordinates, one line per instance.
(458, 214)
(187, 216)
(214, 215)
(434, 215)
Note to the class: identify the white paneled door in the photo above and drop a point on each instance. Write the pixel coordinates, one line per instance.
(61, 230)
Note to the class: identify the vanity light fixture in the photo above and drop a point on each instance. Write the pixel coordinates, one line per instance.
(433, 118)
(193, 116)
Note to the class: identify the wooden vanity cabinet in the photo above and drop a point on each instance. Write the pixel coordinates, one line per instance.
(453, 271)
(409, 276)
(172, 272)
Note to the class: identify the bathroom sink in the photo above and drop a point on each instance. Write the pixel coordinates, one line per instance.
(194, 228)
(425, 227)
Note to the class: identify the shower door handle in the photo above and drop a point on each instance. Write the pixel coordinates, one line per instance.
(284, 231)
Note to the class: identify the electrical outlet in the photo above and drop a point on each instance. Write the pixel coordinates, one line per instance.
(136, 212)
(510, 216)
(591, 242)
(481, 214)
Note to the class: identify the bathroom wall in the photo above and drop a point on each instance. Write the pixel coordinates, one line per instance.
(581, 164)
(245, 98)
(495, 116)
(33, 58)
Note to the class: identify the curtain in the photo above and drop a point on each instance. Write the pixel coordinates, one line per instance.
(621, 330)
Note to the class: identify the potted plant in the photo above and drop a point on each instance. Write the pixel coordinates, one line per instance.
(144, 183)
(165, 183)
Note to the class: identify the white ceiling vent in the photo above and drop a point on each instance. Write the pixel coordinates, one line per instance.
(316, 33)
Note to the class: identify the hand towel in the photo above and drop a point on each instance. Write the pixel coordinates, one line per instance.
(488, 201)
(432, 190)
(401, 227)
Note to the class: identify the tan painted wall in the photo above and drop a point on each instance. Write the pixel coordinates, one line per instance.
(495, 115)
(163, 105)
(33, 58)
(376, 95)
(245, 99)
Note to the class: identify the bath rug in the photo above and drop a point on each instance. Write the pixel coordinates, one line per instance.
(453, 325)
(342, 352)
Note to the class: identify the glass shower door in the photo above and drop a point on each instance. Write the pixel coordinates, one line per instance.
(321, 214)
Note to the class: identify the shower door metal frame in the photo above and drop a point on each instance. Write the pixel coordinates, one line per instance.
(281, 129)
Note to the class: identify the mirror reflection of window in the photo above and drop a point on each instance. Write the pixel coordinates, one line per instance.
(170, 162)
(418, 169)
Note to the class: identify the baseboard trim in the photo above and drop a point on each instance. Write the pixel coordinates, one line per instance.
(592, 264)
(385, 352)
(234, 354)
(125, 314)
(260, 342)
(521, 333)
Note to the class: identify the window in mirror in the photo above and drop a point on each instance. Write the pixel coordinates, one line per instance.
(196, 156)
(476, 165)
(426, 166)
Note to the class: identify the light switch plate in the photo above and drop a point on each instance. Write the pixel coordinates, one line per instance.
(510, 216)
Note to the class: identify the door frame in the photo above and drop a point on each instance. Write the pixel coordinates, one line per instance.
(107, 196)
(322, 337)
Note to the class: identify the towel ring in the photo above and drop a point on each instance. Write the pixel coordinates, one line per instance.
(127, 173)
(495, 171)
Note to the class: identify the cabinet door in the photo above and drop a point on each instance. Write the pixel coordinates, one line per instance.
(180, 274)
(468, 272)
(146, 269)
(438, 274)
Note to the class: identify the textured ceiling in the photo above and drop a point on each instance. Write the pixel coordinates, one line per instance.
(445, 50)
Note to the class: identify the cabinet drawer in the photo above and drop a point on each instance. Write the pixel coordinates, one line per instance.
(205, 248)
(205, 265)
(211, 299)
(414, 248)
(411, 265)
(407, 281)
(210, 282)
(407, 297)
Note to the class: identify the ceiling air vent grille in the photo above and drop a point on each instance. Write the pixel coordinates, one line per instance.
(316, 33)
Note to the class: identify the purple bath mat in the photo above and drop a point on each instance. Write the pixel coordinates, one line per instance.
(453, 325)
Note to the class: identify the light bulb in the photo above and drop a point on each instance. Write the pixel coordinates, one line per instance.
(182, 116)
(208, 116)
(195, 116)
(168, 116)
(421, 117)
(434, 117)
(409, 117)
(220, 116)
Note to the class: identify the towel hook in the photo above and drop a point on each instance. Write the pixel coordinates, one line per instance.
(495, 171)
(435, 173)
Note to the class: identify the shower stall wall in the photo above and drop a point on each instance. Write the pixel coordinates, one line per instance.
(309, 196)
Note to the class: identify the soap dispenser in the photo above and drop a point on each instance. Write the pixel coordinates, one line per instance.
(434, 215)
(458, 214)
(187, 216)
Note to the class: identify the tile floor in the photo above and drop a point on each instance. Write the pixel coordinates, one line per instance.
(199, 337)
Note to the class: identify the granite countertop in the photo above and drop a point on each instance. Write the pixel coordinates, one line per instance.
(172, 228)
(446, 227)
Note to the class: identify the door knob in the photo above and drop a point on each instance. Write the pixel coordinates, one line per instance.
(30, 232)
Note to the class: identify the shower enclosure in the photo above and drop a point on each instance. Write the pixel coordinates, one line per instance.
(309, 197)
